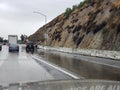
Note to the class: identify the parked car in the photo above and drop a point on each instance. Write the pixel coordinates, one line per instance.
(0, 47)
(13, 47)
(30, 47)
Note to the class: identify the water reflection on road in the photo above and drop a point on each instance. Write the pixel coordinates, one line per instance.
(17, 67)
(83, 68)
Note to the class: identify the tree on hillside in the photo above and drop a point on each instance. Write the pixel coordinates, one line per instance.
(23, 38)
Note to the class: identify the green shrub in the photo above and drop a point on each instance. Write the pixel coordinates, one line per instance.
(86, 1)
(74, 7)
(82, 3)
(68, 12)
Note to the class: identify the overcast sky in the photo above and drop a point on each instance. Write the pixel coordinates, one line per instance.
(17, 17)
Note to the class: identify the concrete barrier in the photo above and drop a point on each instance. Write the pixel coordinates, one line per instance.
(89, 52)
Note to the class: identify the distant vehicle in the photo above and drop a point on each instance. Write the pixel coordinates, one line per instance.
(30, 47)
(0, 47)
(4, 43)
(13, 47)
(12, 43)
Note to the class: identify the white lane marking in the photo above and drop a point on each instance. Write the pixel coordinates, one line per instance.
(22, 53)
(3, 54)
(22, 56)
(73, 76)
(1, 62)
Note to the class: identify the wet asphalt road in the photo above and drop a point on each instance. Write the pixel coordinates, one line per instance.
(85, 66)
(20, 67)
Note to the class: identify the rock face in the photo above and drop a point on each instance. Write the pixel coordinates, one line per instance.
(96, 25)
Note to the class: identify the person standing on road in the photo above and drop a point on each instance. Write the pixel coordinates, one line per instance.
(36, 47)
(32, 48)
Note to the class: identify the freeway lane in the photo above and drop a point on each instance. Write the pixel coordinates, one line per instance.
(20, 67)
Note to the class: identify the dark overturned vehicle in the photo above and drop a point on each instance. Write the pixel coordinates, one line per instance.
(30, 48)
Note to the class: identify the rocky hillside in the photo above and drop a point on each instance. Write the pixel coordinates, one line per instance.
(95, 25)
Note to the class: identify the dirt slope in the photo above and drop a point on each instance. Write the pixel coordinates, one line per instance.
(96, 25)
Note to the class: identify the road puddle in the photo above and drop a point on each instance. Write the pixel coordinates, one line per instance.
(83, 68)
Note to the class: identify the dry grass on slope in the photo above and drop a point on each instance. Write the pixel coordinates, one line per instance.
(117, 4)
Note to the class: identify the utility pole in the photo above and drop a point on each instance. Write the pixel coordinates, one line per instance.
(42, 15)
(46, 33)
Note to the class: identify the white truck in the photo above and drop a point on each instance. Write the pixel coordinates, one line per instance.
(12, 41)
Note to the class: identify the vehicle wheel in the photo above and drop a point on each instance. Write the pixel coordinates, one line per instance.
(32, 51)
(27, 50)
(18, 50)
(9, 50)
(0, 48)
